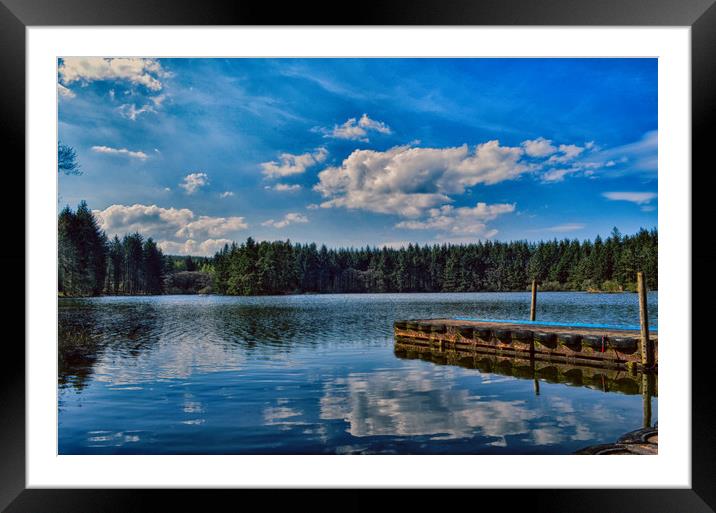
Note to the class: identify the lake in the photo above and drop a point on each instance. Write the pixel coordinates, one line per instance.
(317, 374)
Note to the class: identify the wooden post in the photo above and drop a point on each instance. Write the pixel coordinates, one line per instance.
(647, 390)
(647, 350)
(533, 308)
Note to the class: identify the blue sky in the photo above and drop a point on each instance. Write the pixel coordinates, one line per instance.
(355, 152)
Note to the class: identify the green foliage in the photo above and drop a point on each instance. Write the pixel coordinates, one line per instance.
(188, 282)
(89, 265)
(279, 268)
(611, 286)
(176, 263)
(81, 253)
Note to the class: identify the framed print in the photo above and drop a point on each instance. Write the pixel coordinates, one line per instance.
(267, 250)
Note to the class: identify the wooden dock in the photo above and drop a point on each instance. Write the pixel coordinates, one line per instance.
(602, 347)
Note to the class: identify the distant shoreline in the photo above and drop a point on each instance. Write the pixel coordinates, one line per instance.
(591, 291)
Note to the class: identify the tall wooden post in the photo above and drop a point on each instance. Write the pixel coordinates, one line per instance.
(647, 350)
(533, 308)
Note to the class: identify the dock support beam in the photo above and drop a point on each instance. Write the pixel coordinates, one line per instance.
(533, 308)
(647, 348)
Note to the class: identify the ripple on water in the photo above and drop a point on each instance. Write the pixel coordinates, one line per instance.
(315, 374)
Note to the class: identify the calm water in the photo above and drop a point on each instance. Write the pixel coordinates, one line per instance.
(315, 375)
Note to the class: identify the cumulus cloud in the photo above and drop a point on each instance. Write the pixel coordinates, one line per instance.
(120, 151)
(138, 71)
(194, 181)
(289, 164)
(640, 198)
(226, 194)
(206, 227)
(539, 147)
(192, 247)
(177, 230)
(461, 220)
(356, 129)
(148, 219)
(290, 218)
(406, 181)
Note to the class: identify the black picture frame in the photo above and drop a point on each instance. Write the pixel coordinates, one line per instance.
(16, 15)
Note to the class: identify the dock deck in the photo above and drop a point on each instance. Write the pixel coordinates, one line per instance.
(578, 344)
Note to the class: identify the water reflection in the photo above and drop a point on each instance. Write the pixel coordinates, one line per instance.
(606, 380)
(416, 403)
(318, 374)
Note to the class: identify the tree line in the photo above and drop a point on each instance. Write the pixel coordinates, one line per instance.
(90, 264)
(279, 267)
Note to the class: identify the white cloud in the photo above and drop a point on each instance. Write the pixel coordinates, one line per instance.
(567, 152)
(348, 130)
(290, 164)
(149, 220)
(639, 157)
(590, 160)
(177, 230)
(372, 124)
(461, 220)
(539, 147)
(284, 187)
(640, 198)
(208, 247)
(131, 111)
(206, 226)
(120, 151)
(194, 181)
(557, 175)
(65, 92)
(406, 181)
(290, 218)
(356, 129)
(145, 72)
(226, 194)
(581, 168)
